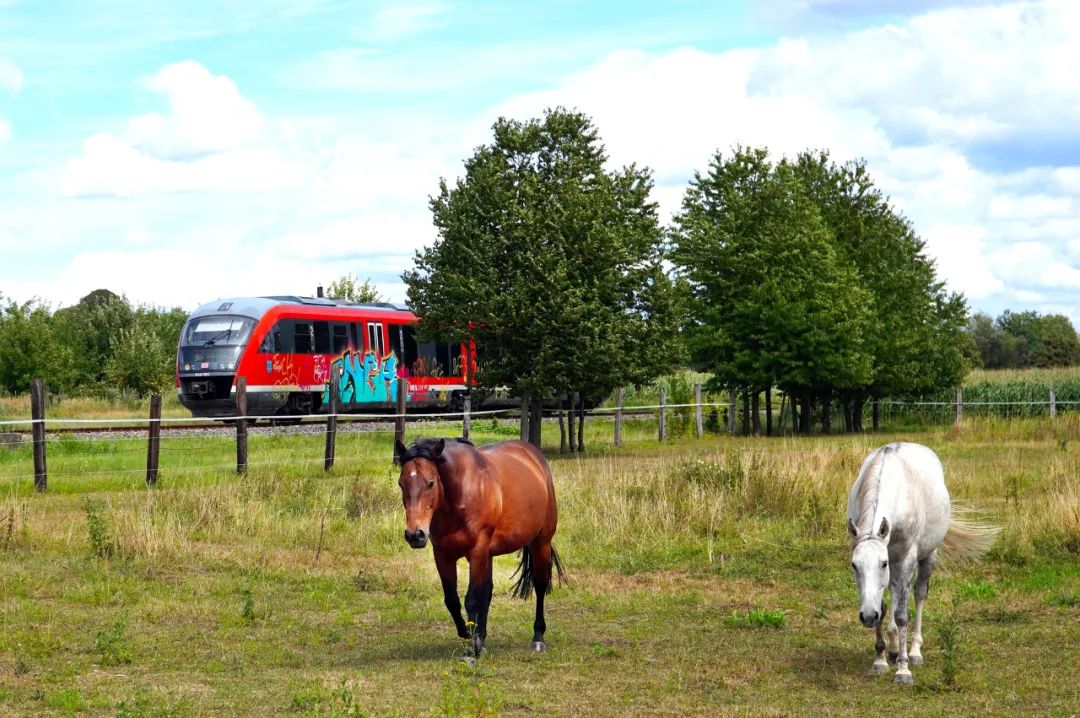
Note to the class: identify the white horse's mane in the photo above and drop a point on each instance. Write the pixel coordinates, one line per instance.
(869, 492)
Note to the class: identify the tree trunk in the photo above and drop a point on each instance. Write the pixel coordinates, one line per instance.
(536, 415)
(876, 414)
(746, 412)
(826, 414)
(563, 448)
(857, 411)
(755, 411)
(806, 415)
(581, 425)
(780, 417)
(571, 417)
(845, 408)
(794, 413)
(768, 411)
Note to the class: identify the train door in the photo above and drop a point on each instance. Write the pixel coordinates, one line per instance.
(375, 339)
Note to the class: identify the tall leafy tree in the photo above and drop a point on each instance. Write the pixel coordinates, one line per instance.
(551, 262)
(349, 286)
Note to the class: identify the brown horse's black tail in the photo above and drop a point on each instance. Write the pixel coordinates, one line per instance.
(523, 587)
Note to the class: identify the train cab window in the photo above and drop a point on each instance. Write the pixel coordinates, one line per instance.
(322, 337)
(375, 338)
(340, 336)
(302, 341)
(356, 329)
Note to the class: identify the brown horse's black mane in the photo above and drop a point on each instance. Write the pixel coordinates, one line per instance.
(430, 449)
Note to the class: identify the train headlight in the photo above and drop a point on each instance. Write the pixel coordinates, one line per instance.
(187, 367)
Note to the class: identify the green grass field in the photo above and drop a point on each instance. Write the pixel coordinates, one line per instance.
(706, 577)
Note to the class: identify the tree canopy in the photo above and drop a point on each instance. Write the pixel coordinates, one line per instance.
(349, 287)
(803, 277)
(551, 261)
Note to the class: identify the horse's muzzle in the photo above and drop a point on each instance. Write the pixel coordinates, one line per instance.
(869, 620)
(417, 538)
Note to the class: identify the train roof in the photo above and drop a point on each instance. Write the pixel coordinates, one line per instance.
(256, 307)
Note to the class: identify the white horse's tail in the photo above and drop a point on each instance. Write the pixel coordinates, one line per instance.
(967, 539)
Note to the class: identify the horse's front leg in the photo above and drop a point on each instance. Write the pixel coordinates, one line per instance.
(478, 597)
(922, 589)
(447, 568)
(900, 588)
(881, 664)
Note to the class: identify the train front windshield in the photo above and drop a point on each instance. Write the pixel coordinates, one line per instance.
(217, 331)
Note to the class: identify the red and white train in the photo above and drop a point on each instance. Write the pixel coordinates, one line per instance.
(290, 348)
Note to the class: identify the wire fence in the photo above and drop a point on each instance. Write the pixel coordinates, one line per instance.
(126, 447)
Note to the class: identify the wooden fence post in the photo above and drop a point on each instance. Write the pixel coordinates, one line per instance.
(399, 420)
(466, 420)
(153, 444)
(524, 429)
(618, 417)
(241, 425)
(697, 410)
(331, 422)
(37, 413)
(731, 410)
(959, 404)
(1053, 404)
(663, 414)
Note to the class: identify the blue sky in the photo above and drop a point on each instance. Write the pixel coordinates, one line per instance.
(179, 154)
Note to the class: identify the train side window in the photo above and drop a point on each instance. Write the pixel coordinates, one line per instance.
(340, 336)
(322, 337)
(409, 352)
(302, 342)
(357, 331)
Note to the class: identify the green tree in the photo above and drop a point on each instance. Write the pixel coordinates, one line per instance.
(32, 348)
(773, 304)
(91, 328)
(918, 343)
(551, 262)
(349, 287)
(1058, 344)
(143, 355)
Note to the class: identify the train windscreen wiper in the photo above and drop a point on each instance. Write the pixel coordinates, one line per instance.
(220, 335)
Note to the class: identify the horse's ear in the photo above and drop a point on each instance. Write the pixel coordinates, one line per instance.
(884, 530)
(437, 449)
(399, 451)
(851, 528)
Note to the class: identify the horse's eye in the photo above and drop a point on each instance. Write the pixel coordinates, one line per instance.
(853, 566)
(884, 564)
(430, 483)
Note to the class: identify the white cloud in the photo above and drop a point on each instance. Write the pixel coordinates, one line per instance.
(946, 107)
(211, 140)
(11, 77)
(395, 20)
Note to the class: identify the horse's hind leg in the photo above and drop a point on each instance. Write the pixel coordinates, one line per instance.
(541, 576)
(447, 568)
(922, 589)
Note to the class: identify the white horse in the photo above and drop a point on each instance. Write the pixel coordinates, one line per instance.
(899, 513)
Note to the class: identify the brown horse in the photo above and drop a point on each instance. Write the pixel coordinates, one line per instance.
(477, 503)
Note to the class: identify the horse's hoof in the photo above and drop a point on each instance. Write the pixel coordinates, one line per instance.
(469, 661)
(538, 646)
(879, 669)
(893, 657)
(915, 660)
(903, 679)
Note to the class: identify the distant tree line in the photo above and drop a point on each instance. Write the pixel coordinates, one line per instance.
(1018, 340)
(103, 345)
